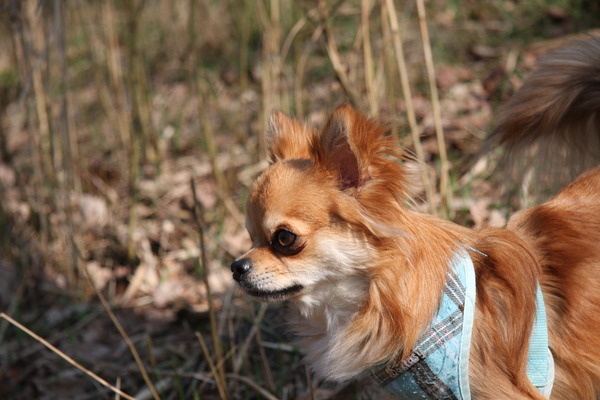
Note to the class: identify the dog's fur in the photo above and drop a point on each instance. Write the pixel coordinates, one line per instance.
(333, 234)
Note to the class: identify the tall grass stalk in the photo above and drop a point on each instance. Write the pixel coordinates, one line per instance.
(301, 70)
(410, 110)
(335, 58)
(389, 64)
(300, 63)
(444, 189)
(139, 86)
(139, 129)
(271, 87)
(118, 101)
(246, 22)
(67, 181)
(38, 67)
(370, 88)
(30, 65)
(208, 133)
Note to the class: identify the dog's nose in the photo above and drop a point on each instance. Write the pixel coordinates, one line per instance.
(240, 267)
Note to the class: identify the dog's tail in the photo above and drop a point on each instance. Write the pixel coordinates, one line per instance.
(551, 126)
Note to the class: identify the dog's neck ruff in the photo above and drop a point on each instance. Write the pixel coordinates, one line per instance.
(439, 366)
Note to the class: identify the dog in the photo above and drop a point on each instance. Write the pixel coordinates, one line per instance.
(376, 286)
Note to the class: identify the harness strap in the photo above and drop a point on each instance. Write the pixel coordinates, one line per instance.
(540, 363)
(439, 366)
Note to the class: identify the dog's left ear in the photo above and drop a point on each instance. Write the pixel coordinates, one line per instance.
(337, 150)
(287, 138)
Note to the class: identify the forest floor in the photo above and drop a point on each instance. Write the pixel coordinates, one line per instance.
(131, 133)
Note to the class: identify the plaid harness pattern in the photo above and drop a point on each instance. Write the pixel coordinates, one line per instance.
(438, 368)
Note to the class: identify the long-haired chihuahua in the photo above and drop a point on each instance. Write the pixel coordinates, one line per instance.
(431, 309)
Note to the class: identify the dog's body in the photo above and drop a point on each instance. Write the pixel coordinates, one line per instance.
(332, 234)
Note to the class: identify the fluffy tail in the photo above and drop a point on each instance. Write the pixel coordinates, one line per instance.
(551, 126)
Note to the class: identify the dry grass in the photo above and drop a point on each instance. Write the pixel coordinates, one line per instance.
(131, 132)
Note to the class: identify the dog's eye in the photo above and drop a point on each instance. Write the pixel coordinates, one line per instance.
(284, 238)
(285, 242)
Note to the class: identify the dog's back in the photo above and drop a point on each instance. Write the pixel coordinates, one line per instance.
(565, 235)
(558, 112)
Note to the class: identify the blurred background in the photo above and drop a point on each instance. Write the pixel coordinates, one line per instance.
(131, 132)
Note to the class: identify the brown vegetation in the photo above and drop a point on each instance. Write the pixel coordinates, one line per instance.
(131, 131)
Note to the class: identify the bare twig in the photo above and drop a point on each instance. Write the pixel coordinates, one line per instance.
(65, 357)
(117, 395)
(266, 394)
(309, 383)
(214, 327)
(15, 298)
(270, 382)
(125, 337)
(219, 380)
(249, 337)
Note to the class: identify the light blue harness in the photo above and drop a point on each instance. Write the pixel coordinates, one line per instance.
(439, 366)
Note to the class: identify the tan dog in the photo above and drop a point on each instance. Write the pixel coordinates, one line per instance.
(332, 234)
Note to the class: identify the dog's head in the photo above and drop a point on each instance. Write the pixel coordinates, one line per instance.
(317, 213)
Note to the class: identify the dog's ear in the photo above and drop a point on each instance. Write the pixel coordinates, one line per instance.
(337, 155)
(337, 149)
(287, 138)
